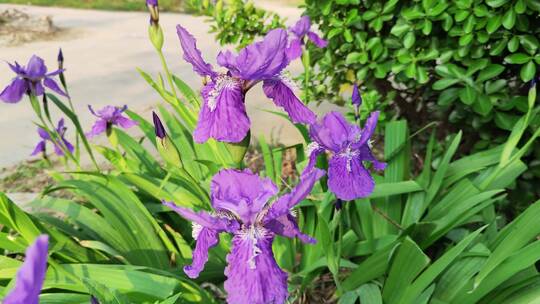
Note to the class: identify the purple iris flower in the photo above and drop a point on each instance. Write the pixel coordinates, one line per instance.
(152, 2)
(30, 79)
(223, 114)
(41, 146)
(109, 116)
(350, 147)
(31, 274)
(241, 203)
(300, 30)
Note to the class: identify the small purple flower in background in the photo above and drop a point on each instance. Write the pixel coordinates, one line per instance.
(223, 115)
(30, 79)
(41, 146)
(109, 116)
(241, 203)
(300, 30)
(31, 274)
(350, 147)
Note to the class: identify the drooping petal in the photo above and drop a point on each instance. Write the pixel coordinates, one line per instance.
(283, 96)
(99, 127)
(14, 92)
(369, 128)
(313, 151)
(241, 192)
(253, 276)
(284, 204)
(262, 60)
(287, 226)
(295, 49)
(58, 150)
(192, 54)
(366, 154)
(301, 27)
(54, 73)
(334, 132)
(35, 69)
(37, 88)
(68, 145)
(203, 218)
(43, 134)
(348, 178)
(206, 239)
(317, 40)
(31, 274)
(125, 122)
(223, 115)
(40, 148)
(51, 84)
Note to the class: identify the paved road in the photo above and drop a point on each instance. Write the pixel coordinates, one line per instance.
(102, 50)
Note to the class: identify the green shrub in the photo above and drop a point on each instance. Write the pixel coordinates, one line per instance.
(467, 62)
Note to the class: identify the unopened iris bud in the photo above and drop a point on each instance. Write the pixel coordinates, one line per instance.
(153, 7)
(238, 150)
(165, 146)
(356, 97)
(60, 59)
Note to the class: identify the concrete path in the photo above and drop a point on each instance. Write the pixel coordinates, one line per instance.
(102, 50)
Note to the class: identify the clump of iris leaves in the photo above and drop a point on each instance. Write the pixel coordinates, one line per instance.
(431, 235)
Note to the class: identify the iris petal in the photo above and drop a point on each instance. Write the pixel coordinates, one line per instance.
(348, 178)
(192, 54)
(283, 96)
(14, 92)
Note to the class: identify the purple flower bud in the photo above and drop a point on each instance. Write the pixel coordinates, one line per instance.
(154, 11)
(152, 2)
(60, 56)
(160, 130)
(94, 300)
(338, 204)
(356, 97)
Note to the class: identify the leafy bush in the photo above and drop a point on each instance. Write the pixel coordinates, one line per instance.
(473, 59)
(428, 237)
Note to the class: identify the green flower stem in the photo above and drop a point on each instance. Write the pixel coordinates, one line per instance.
(338, 251)
(307, 74)
(167, 72)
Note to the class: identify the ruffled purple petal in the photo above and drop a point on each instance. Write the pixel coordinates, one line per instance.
(318, 41)
(125, 122)
(36, 69)
(40, 148)
(31, 274)
(206, 238)
(334, 132)
(287, 226)
(283, 96)
(223, 115)
(295, 49)
(264, 59)
(14, 92)
(348, 178)
(51, 84)
(192, 54)
(301, 27)
(285, 203)
(227, 60)
(241, 192)
(253, 276)
(99, 127)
